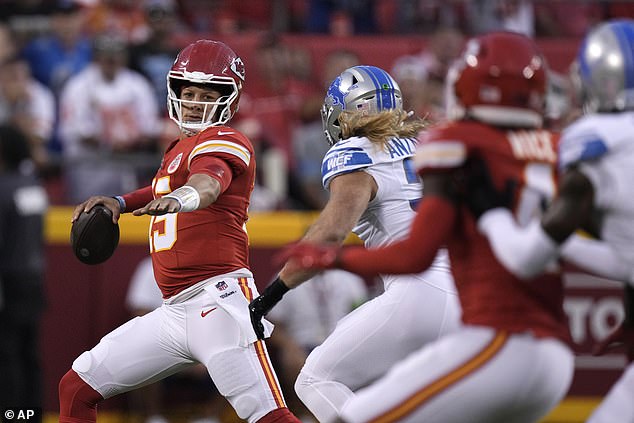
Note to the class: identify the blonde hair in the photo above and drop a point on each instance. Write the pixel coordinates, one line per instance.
(380, 127)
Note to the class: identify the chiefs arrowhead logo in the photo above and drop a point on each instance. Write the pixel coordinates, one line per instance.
(237, 66)
(175, 163)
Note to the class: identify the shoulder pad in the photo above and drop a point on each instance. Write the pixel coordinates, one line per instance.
(441, 148)
(223, 140)
(581, 142)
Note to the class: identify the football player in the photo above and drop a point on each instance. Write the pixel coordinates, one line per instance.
(510, 361)
(596, 160)
(373, 192)
(198, 202)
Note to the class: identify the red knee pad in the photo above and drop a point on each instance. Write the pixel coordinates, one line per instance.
(280, 415)
(77, 400)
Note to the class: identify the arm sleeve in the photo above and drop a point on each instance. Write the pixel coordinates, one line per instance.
(526, 251)
(137, 199)
(412, 254)
(596, 257)
(214, 167)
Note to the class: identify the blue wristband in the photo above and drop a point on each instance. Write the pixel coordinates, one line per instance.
(121, 203)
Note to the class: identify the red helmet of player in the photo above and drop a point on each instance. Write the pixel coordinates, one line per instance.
(209, 64)
(500, 79)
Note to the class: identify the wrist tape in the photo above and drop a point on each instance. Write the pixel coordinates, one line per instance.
(187, 196)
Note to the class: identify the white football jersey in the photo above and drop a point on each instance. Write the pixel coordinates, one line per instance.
(603, 147)
(390, 213)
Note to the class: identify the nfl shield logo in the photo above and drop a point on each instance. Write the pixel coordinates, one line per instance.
(221, 286)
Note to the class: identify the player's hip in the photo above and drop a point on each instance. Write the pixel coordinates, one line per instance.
(425, 386)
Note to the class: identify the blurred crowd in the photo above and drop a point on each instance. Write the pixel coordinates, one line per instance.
(85, 79)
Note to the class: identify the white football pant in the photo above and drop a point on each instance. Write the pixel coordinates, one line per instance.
(177, 335)
(369, 341)
(474, 375)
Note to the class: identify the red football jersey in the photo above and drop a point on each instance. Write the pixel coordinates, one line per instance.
(190, 247)
(489, 294)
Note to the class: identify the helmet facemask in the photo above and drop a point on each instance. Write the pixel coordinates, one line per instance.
(213, 113)
(210, 65)
(330, 121)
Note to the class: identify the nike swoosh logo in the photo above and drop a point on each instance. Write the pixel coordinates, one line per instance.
(225, 133)
(204, 313)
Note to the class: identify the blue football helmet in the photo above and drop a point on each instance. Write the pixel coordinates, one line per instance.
(605, 66)
(366, 89)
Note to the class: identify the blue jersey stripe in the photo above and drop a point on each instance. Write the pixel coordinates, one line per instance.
(385, 98)
(584, 69)
(625, 36)
(379, 99)
(593, 149)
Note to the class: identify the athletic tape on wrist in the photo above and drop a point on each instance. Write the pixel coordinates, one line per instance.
(187, 197)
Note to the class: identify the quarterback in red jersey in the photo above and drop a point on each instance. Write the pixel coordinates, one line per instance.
(510, 361)
(198, 201)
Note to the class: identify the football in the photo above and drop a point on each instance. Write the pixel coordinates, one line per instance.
(93, 236)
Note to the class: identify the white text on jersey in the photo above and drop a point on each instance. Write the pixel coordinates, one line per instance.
(532, 145)
(339, 160)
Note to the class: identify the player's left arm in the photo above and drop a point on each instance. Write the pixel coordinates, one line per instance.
(572, 210)
(210, 176)
(597, 257)
(434, 221)
(525, 251)
(350, 194)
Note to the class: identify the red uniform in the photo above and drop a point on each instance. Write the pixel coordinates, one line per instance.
(509, 361)
(489, 294)
(199, 255)
(190, 247)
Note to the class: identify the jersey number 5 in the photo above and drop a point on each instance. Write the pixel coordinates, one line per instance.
(162, 228)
